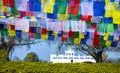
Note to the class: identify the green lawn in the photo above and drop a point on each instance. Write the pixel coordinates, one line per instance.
(36, 67)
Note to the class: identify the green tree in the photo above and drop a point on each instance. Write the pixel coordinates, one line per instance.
(118, 61)
(31, 57)
(8, 44)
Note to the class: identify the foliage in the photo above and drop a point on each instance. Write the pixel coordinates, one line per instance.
(31, 57)
(118, 61)
(43, 67)
(3, 55)
(9, 43)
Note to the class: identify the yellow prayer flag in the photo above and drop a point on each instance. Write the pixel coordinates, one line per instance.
(12, 32)
(33, 18)
(106, 35)
(81, 35)
(6, 9)
(2, 16)
(110, 7)
(11, 17)
(44, 36)
(48, 1)
(1, 8)
(108, 43)
(25, 30)
(63, 16)
(8, 14)
(116, 17)
(48, 8)
(77, 41)
(1, 2)
(55, 34)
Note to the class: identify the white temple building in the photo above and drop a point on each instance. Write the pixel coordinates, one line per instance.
(69, 57)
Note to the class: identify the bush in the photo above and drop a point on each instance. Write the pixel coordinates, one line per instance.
(37, 67)
(31, 57)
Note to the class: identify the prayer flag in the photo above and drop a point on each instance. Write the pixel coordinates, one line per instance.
(37, 36)
(77, 41)
(73, 6)
(19, 33)
(87, 8)
(108, 43)
(99, 8)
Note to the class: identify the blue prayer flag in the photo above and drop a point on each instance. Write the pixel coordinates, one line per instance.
(18, 33)
(108, 20)
(99, 8)
(114, 44)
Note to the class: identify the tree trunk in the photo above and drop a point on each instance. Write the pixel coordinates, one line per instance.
(98, 57)
(7, 58)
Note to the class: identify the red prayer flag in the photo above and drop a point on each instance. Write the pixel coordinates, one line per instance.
(9, 3)
(96, 41)
(94, 25)
(31, 35)
(71, 34)
(64, 39)
(44, 31)
(12, 27)
(86, 18)
(73, 6)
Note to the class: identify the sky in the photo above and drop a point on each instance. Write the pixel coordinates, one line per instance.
(43, 50)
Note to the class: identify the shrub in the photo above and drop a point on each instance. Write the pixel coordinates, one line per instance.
(38, 67)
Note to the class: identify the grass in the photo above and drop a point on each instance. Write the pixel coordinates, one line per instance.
(45, 67)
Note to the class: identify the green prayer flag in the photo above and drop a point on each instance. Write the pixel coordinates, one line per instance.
(4, 32)
(61, 9)
(101, 27)
(14, 11)
(102, 41)
(37, 36)
(76, 34)
(71, 40)
(61, 2)
(115, 26)
(109, 28)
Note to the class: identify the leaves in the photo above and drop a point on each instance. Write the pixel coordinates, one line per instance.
(45, 67)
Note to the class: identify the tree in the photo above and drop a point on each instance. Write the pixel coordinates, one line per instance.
(105, 57)
(95, 52)
(31, 57)
(8, 43)
(118, 61)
